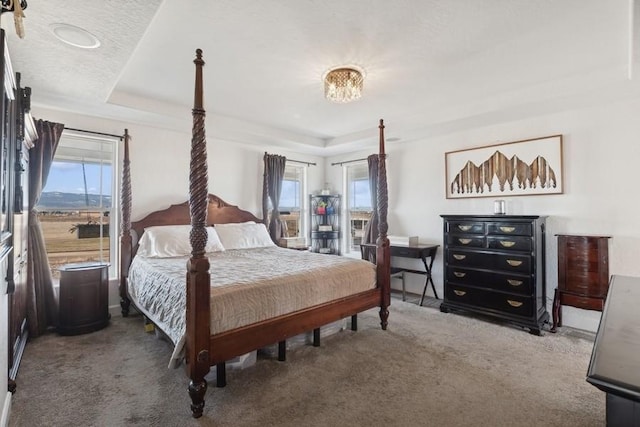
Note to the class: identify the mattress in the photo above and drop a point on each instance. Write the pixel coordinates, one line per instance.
(247, 286)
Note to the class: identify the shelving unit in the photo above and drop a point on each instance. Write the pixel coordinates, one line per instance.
(325, 223)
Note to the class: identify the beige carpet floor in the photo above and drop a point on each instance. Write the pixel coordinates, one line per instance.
(427, 369)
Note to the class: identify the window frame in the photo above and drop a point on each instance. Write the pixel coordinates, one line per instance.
(347, 169)
(114, 155)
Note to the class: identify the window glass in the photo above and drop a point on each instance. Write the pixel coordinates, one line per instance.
(76, 203)
(358, 205)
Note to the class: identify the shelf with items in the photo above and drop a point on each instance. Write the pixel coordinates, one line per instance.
(325, 223)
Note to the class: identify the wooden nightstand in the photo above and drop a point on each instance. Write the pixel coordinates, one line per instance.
(84, 298)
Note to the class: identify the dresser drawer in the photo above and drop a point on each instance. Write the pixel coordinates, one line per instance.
(466, 227)
(515, 243)
(514, 263)
(510, 228)
(465, 240)
(488, 279)
(512, 304)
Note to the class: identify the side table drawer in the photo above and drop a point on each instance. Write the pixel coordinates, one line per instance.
(405, 252)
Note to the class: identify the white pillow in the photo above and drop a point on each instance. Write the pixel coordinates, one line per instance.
(166, 241)
(244, 235)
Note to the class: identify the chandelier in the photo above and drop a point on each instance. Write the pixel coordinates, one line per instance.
(343, 85)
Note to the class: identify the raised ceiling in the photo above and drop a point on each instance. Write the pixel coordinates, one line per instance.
(432, 66)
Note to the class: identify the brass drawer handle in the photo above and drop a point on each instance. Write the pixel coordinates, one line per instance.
(464, 227)
(513, 282)
(507, 243)
(464, 241)
(459, 257)
(459, 293)
(514, 303)
(459, 274)
(507, 229)
(514, 262)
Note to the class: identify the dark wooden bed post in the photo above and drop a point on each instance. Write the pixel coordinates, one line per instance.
(383, 265)
(125, 235)
(198, 279)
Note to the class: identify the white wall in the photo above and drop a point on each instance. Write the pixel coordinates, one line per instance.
(601, 164)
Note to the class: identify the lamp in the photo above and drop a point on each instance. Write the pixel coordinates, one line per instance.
(342, 85)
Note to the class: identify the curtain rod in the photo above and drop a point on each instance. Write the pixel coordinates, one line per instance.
(300, 161)
(94, 132)
(347, 161)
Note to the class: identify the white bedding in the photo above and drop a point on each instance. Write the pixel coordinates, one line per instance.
(247, 286)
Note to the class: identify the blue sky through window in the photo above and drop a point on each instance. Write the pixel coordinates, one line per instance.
(67, 177)
(290, 195)
(360, 195)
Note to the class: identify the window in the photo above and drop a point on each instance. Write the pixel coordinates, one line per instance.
(76, 203)
(358, 204)
(292, 202)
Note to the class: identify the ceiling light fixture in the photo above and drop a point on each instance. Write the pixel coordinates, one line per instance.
(75, 36)
(343, 84)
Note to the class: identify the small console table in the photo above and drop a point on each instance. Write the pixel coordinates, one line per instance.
(424, 252)
(615, 365)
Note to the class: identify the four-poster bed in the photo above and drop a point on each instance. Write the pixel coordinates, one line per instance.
(208, 344)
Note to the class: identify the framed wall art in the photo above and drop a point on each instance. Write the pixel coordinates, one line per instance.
(519, 168)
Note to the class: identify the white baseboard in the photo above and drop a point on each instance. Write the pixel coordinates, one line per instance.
(6, 411)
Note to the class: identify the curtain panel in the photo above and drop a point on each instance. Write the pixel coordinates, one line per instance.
(272, 187)
(42, 307)
(370, 234)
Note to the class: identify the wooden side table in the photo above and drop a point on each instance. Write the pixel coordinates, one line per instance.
(84, 298)
(583, 274)
(420, 251)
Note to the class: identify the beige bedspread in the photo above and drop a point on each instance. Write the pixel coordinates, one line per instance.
(247, 286)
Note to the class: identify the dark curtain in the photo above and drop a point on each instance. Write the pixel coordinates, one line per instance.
(42, 307)
(272, 187)
(370, 234)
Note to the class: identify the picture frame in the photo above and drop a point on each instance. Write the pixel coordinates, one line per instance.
(519, 168)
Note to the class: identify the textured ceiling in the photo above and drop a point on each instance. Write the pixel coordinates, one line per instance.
(432, 66)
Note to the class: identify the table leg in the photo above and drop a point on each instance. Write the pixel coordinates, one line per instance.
(427, 267)
(557, 311)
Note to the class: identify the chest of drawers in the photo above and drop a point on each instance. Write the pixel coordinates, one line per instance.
(495, 266)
